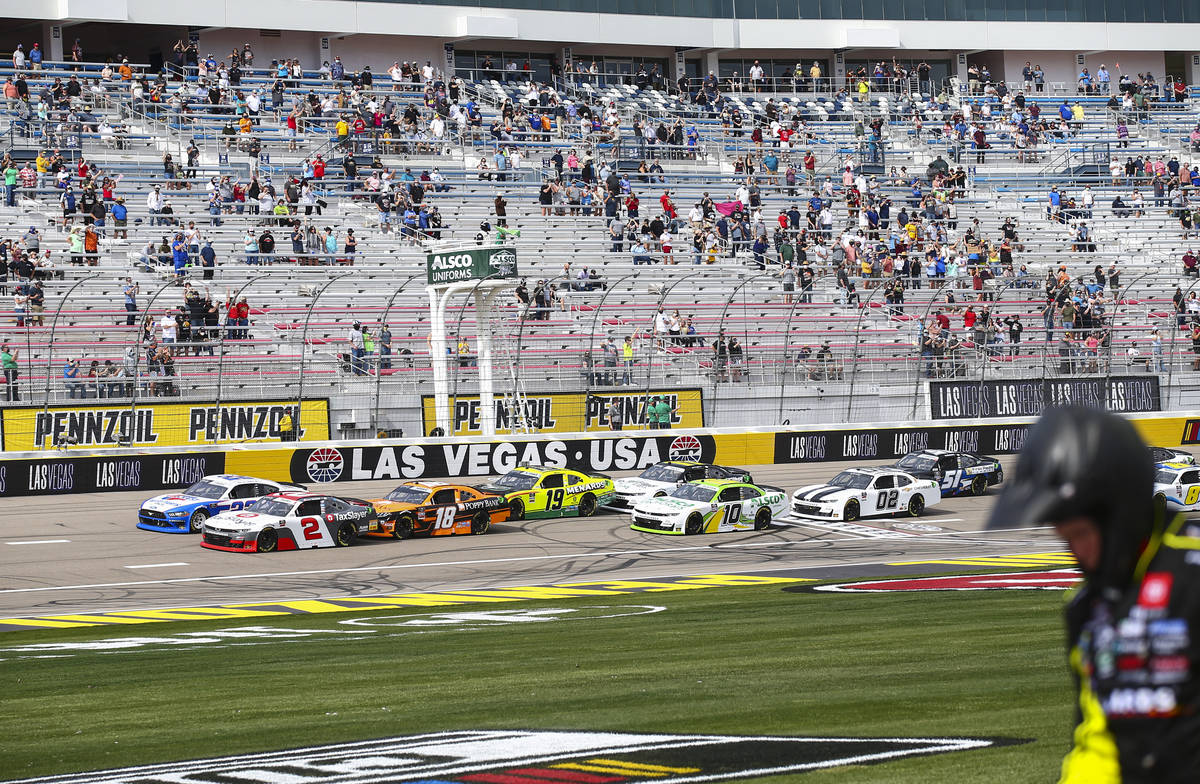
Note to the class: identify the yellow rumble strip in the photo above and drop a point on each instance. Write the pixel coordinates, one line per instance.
(361, 603)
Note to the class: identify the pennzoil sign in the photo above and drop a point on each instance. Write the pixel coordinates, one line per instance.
(517, 757)
(160, 424)
(453, 266)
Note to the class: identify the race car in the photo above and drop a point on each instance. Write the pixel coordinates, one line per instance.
(1165, 454)
(710, 506)
(291, 521)
(661, 478)
(437, 509)
(956, 472)
(185, 511)
(1178, 486)
(533, 492)
(862, 492)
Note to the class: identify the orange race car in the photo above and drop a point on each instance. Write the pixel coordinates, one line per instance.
(437, 509)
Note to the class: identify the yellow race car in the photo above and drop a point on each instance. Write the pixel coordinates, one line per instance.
(534, 492)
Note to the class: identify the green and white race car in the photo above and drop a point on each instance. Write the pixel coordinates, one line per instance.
(711, 506)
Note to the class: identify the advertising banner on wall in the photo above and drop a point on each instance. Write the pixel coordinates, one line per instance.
(573, 412)
(1027, 397)
(65, 475)
(158, 424)
(817, 446)
(420, 461)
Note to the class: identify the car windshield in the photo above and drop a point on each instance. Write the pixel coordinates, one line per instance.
(1165, 477)
(662, 472)
(851, 480)
(700, 493)
(918, 462)
(407, 495)
(271, 506)
(517, 480)
(205, 489)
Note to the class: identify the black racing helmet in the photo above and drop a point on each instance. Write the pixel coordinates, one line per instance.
(1084, 462)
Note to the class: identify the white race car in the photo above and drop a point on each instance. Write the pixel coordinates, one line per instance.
(661, 478)
(863, 492)
(291, 521)
(1177, 485)
(710, 506)
(185, 511)
(1165, 454)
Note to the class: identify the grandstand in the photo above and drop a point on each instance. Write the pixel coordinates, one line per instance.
(680, 210)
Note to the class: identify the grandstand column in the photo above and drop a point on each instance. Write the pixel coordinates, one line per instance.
(483, 314)
(437, 357)
(52, 39)
(1192, 67)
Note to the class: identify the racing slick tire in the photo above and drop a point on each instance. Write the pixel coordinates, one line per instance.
(516, 510)
(268, 540)
(916, 505)
(587, 505)
(403, 527)
(979, 485)
(695, 523)
(480, 523)
(850, 513)
(196, 524)
(345, 535)
(1160, 502)
(762, 520)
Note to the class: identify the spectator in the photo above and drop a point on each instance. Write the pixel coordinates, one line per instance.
(71, 380)
(8, 362)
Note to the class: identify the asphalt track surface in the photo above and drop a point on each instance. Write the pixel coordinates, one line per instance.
(82, 553)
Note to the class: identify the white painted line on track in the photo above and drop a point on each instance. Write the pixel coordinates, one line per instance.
(156, 566)
(41, 541)
(500, 586)
(520, 559)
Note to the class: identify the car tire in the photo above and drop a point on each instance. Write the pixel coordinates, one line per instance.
(196, 524)
(999, 477)
(480, 523)
(1160, 502)
(762, 520)
(978, 485)
(346, 534)
(587, 505)
(402, 528)
(268, 540)
(694, 524)
(850, 513)
(916, 505)
(516, 510)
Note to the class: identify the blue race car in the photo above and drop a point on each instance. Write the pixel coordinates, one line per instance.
(185, 512)
(958, 473)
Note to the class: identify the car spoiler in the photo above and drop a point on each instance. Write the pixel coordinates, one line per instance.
(296, 485)
(602, 476)
(773, 489)
(357, 501)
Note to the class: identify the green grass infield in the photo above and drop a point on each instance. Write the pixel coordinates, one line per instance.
(740, 661)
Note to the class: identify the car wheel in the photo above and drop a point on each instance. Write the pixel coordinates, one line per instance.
(850, 513)
(916, 505)
(197, 522)
(480, 523)
(268, 540)
(999, 477)
(762, 520)
(402, 528)
(516, 510)
(694, 525)
(587, 505)
(345, 535)
(1160, 502)
(978, 485)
